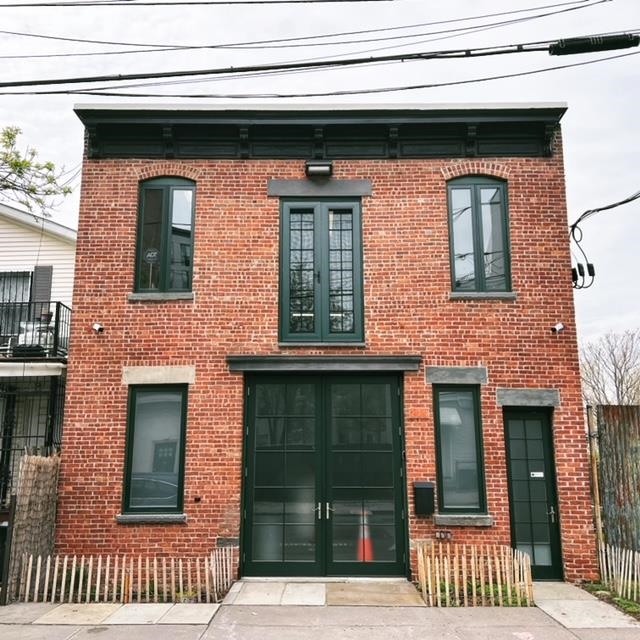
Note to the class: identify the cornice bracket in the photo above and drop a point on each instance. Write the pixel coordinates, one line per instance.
(168, 142)
(471, 141)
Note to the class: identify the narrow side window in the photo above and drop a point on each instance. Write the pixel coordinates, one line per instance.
(459, 450)
(155, 449)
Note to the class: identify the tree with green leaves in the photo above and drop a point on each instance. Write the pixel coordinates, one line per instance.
(26, 181)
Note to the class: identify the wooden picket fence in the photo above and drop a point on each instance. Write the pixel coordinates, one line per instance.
(126, 578)
(460, 575)
(620, 571)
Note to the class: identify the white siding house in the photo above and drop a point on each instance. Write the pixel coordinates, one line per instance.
(36, 283)
(27, 240)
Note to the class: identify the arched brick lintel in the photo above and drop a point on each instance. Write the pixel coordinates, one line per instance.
(475, 167)
(168, 169)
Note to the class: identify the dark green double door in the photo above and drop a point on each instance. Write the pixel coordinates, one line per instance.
(323, 486)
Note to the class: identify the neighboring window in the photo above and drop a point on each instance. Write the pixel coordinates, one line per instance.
(459, 444)
(478, 235)
(15, 294)
(321, 272)
(165, 235)
(155, 449)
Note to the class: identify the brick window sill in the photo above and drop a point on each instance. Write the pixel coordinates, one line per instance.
(161, 296)
(462, 520)
(151, 518)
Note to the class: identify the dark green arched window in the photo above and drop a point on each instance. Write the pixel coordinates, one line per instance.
(165, 235)
(478, 234)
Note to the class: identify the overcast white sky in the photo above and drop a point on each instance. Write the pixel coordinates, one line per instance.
(601, 130)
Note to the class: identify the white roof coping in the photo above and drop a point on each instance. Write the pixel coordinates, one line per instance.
(444, 106)
(38, 222)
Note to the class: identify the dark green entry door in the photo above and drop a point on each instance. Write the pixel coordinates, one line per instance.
(323, 492)
(535, 525)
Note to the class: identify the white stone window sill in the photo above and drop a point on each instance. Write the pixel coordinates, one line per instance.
(483, 295)
(151, 518)
(463, 520)
(160, 296)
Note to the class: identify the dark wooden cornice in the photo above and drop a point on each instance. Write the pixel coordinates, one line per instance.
(304, 133)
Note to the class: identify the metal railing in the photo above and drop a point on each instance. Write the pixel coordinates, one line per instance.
(31, 330)
(31, 410)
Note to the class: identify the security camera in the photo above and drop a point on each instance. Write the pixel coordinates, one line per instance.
(97, 327)
(557, 328)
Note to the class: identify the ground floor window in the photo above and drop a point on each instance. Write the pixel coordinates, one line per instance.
(459, 447)
(154, 475)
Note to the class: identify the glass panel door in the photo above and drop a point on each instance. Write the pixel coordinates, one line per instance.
(323, 488)
(283, 472)
(532, 492)
(363, 494)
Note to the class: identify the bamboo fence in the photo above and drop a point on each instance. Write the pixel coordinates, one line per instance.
(619, 467)
(35, 512)
(454, 575)
(127, 578)
(620, 571)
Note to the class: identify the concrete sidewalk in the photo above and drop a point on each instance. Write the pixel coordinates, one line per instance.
(278, 610)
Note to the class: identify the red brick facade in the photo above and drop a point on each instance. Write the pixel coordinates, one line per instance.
(407, 310)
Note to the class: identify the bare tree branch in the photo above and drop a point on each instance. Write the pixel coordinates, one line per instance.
(611, 369)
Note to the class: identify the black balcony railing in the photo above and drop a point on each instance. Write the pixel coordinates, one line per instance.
(31, 410)
(37, 330)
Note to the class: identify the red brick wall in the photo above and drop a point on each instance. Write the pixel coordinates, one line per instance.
(235, 311)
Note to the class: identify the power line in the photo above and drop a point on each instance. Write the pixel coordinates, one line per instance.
(584, 279)
(300, 40)
(435, 85)
(343, 62)
(128, 3)
(449, 33)
(591, 212)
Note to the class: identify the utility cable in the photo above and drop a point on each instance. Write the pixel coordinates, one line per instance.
(584, 279)
(97, 92)
(126, 3)
(303, 41)
(443, 54)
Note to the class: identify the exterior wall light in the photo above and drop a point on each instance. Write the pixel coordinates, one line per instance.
(318, 168)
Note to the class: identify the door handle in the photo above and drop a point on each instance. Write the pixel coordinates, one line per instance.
(328, 510)
(319, 510)
(552, 514)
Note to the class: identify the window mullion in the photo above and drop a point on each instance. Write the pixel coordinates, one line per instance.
(321, 258)
(140, 239)
(480, 452)
(478, 240)
(285, 272)
(167, 194)
(506, 244)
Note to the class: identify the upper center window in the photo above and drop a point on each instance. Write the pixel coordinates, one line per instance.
(478, 228)
(165, 235)
(321, 272)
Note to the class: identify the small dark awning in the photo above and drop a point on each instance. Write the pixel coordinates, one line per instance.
(310, 364)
